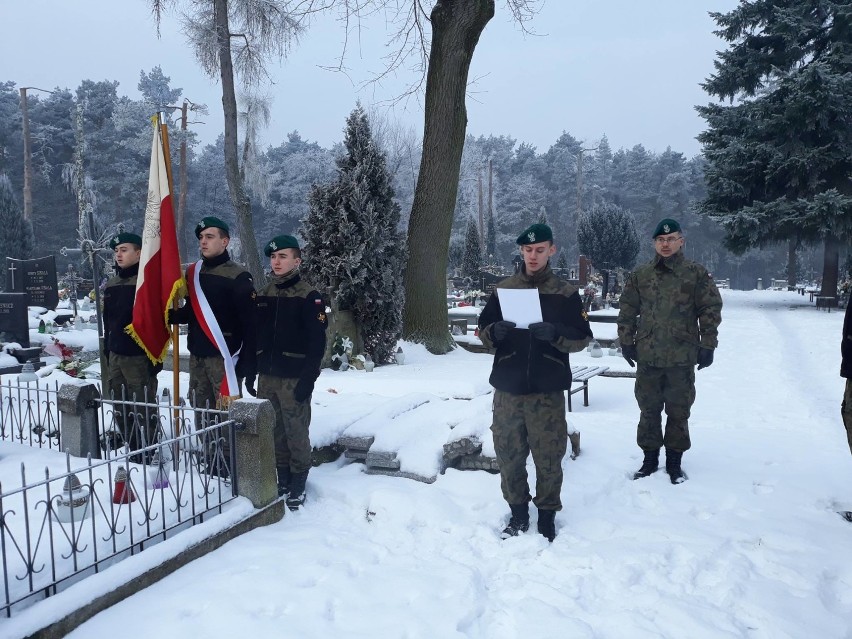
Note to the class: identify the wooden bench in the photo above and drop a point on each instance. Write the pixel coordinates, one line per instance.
(583, 374)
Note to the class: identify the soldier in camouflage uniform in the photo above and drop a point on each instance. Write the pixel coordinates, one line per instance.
(530, 373)
(668, 320)
(130, 375)
(229, 289)
(291, 325)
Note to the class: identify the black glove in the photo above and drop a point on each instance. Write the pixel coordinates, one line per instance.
(155, 368)
(172, 317)
(544, 331)
(628, 352)
(250, 385)
(705, 357)
(303, 390)
(500, 330)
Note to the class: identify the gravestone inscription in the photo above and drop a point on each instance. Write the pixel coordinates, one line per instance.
(36, 278)
(14, 319)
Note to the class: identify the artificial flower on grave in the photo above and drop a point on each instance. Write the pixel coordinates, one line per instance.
(341, 346)
(69, 362)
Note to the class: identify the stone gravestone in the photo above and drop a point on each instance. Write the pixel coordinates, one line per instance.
(14, 319)
(488, 282)
(36, 278)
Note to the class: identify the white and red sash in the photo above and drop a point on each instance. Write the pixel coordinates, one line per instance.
(210, 325)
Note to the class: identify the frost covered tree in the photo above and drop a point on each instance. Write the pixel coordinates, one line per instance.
(353, 247)
(779, 156)
(472, 257)
(607, 234)
(16, 233)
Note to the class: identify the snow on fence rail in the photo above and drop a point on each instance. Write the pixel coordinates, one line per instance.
(29, 414)
(85, 514)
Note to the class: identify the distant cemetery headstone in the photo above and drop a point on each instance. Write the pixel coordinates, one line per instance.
(14, 319)
(488, 282)
(36, 278)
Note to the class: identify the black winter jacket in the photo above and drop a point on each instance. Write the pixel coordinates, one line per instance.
(846, 345)
(119, 295)
(229, 289)
(522, 364)
(291, 324)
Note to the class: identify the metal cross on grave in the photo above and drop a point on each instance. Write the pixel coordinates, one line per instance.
(72, 280)
(91, 250)
(12, 270)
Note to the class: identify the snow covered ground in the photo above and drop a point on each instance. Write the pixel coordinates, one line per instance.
(750, 546)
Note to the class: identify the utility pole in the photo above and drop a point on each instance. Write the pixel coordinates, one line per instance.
(180, 218)
(490, 198)
(481, 221)
(28, 156)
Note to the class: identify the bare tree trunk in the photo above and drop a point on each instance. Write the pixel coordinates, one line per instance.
(792, 262)
(239, 197)
(180, 222)
(28, 159)
(456, 28)
(830, 266)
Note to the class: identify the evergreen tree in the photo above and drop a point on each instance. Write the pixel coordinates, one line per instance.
(472, 258)
(16, 234)
(607, 234)
(562, 261)
(780, 156)
(353, 247)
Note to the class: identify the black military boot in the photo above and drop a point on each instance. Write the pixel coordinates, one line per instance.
(296, 495)
(519, 521)
(673, 468)
(650, 464)
(547, 524)
(283, 480)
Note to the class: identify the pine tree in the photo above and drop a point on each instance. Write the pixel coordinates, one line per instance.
(353, 247)
(607, 234)
(779, 157)
(16, 234)
(472, 258)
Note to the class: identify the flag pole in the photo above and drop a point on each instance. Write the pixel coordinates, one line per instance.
(164, 135)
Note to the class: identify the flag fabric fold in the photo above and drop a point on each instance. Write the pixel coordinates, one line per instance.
(160, 280)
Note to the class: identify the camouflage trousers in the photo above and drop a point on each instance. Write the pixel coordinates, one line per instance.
(670, 388)
(205, 380)
(130, 378)
(846, 412)
(524, 424)
(292, 420)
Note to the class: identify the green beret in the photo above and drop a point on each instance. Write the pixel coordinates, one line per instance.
(211, 222)
(535, 234)
(280, 242)
(125, 238)
(666, 226)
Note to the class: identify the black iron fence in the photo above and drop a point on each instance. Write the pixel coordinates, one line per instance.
(165, 467)
(29, 414)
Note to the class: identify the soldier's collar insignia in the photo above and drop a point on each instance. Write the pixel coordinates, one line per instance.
(585, 315)
(531, 236)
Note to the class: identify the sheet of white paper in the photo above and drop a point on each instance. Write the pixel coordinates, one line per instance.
(520, 305)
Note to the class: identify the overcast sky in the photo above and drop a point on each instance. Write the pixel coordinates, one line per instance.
(627, 69)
